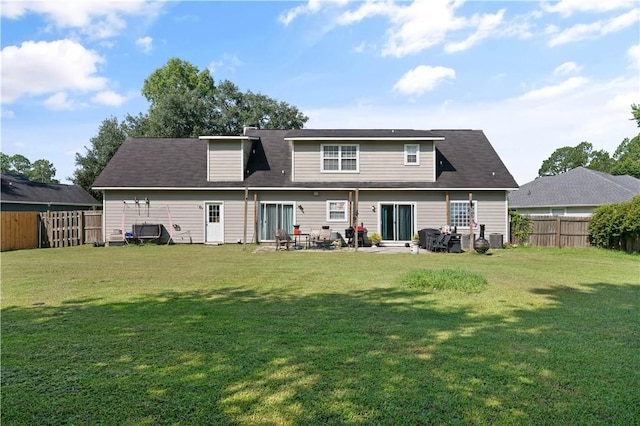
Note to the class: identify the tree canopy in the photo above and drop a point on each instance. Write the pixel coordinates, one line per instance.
(110, 136)
(185, 102)
(625, 159)
(635, 111)
(39, 171)
(566, 158)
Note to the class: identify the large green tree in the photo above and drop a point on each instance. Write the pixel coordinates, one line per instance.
(566, 158)
(185, 102)
(635, 111)
(39, 171)
(627, 158)
(42, 171)
(110, 136)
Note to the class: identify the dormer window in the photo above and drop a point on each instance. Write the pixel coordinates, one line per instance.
(412, 154)
(340, 158)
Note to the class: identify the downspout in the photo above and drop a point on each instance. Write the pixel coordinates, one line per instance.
(355, 244)
(104, 217)
(246, 208)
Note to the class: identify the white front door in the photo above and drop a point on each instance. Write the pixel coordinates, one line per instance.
(214, 223)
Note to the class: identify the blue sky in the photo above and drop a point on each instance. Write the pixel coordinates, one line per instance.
(535, 76)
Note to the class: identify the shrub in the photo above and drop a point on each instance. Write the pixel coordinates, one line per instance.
(375, 238)
(521, 227)
(444, 279)
(612, 224)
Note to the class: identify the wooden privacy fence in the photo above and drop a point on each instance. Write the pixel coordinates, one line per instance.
(71, 228)
(559, 231)
(23, 230)
(18, 230)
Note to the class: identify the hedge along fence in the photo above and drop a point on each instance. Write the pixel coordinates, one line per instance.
(617, 226)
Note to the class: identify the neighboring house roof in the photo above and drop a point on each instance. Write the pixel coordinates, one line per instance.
(576, 187)
(18, 189)
(465, 159)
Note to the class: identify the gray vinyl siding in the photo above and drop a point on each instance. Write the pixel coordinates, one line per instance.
(226, 160)
(186, 210)
(379, 161)
(492, 211)
(182, 208)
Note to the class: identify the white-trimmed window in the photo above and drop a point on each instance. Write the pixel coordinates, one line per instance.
(340, 158)
(412, 154)
(336, 211)
(558, 211)
(459, 214)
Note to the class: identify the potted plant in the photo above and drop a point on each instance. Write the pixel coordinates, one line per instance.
(375, 238)
(415, 243)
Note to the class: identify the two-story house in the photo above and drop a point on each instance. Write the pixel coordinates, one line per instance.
(228, 189)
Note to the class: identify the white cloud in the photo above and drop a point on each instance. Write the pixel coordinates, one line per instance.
(37, 68)
(420, 26)
(416, 26)
(486, 25)
(422, 78)
(96, 18)
(59, 101)
(228, 61)
(596, 29)
(108, 98)
(367, 10)
(568, 7)
(554, 91)
(145, 44)
(311, 7)
(567, 68)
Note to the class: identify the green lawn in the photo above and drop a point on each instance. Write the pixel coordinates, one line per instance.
(216, 335)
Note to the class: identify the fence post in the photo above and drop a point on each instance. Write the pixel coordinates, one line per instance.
(558, 231)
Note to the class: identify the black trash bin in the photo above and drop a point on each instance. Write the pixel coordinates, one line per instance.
(428, 238)
(495, 241)
(455, 244)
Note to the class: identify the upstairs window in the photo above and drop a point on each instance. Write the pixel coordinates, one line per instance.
(412, 155)
(339, 158)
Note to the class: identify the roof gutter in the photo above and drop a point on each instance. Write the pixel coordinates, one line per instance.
(293, 188)
(356, 138)
(57, 203)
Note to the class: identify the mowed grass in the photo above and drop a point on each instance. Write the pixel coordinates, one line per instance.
(188, 335)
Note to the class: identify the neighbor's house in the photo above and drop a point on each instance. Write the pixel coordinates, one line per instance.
(576, 192)
(19, 194)
(227, 189)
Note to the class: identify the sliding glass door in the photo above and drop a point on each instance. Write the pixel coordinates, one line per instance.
(274, 216)
(397, 221)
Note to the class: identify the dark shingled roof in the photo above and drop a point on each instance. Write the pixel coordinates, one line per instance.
(361, 133)
(465, 159)
(19, 189)
(577, 187)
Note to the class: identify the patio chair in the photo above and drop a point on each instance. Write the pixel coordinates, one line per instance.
(283, 240)
(442, 242)
(321, 238)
